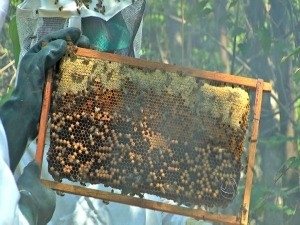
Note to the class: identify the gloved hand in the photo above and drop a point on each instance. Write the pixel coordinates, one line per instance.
(20, 114)
(37, 203)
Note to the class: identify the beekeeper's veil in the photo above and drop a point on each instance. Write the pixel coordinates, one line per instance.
(111, 25)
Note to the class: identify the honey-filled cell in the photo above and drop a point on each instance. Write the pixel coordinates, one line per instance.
(147, 131)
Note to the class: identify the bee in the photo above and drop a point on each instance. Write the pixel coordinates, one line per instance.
(78, 11)
(44, 43)
(85, 61)
(97, 109)
(56, 1)
(77, 76)
(54, 105)
(231, 111)
(243, 209)
(60, 8)
(60, 193)
(246, 165)
(102, 10)
(141, 195)
(91, 129)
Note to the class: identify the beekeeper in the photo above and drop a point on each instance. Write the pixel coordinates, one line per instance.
(111, 26)
(26, 201)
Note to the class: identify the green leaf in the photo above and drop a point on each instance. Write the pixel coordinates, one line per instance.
(276, 140)
(288, 211)
(232, 3)
(265, 39)
(206, 11)
(296, 76)
(258, 199)
(294, 52)
(238, 30)
(13, 33)
(291, 163)
(244, 47)
(202, 4)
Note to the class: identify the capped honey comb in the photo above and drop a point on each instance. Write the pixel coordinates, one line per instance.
(145, 130)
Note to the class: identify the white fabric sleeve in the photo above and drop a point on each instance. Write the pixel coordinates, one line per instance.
(172, 219)
(9, 193)
(3, 12)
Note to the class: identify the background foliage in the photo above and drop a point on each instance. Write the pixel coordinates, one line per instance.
(255, 38)
(7, 62)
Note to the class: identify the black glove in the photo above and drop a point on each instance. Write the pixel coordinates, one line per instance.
(37, 203)
(20, 114)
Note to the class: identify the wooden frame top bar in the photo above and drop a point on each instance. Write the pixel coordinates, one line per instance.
(215, 76)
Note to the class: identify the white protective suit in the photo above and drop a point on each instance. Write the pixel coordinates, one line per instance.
(9, 193)
(72, 209)
(3, 12)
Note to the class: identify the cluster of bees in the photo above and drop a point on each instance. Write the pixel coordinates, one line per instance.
(140, 141)
(99, 7)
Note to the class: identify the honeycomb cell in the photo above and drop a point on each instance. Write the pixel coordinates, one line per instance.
(147, 131)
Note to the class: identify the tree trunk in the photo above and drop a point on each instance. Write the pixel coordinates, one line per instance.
(271, 158)
(280, 21)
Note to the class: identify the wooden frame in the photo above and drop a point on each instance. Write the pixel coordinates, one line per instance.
(257, 85)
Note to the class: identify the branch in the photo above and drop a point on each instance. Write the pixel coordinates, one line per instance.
(161, 51)
(11, 63)
(284, 108)
(245, 64)
(234, 39)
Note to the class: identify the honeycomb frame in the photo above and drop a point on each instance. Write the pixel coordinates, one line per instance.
(180, 72)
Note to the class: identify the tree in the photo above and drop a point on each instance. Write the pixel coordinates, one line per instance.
(256, 38)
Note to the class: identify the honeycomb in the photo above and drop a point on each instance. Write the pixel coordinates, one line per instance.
(146, 130)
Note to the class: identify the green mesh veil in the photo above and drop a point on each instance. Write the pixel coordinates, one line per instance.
(116, 30)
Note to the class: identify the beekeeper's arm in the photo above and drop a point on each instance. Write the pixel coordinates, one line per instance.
(28, 201)
(20, 114)
(18, 123)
